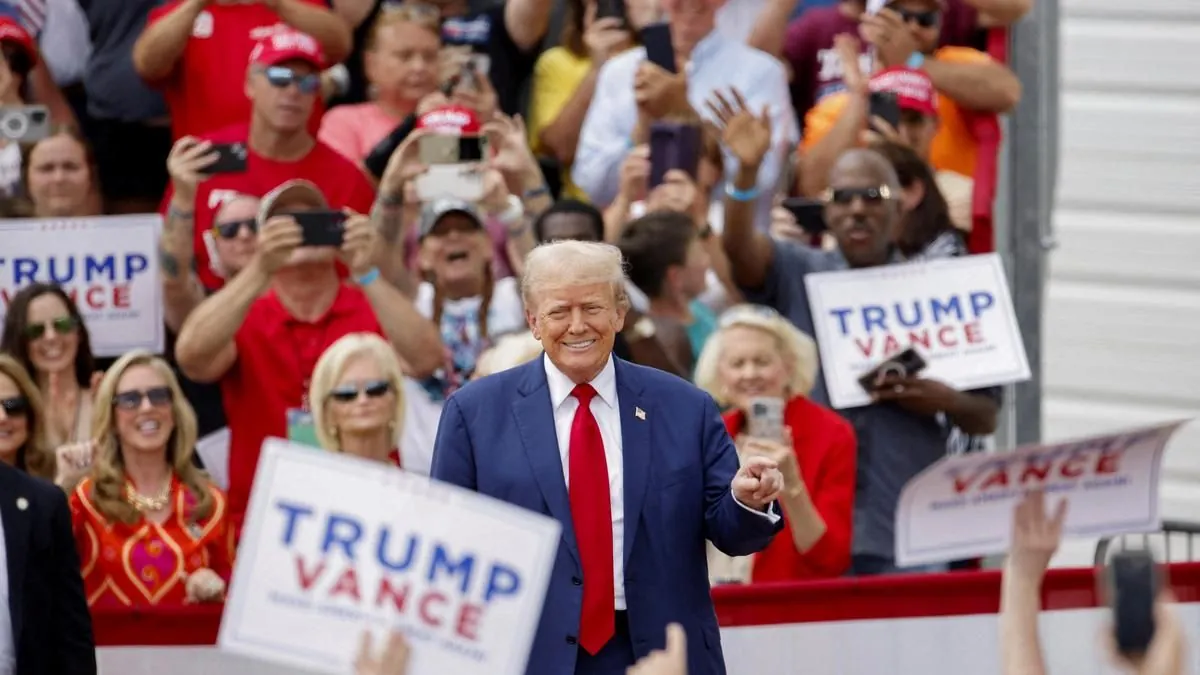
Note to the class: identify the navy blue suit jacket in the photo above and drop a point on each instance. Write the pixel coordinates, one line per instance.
(497, 437)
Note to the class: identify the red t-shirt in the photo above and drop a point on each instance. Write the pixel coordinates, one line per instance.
(276, 357)
(206, 91)
(343, 184)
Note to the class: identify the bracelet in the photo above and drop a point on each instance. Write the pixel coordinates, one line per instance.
(173, 212)
(513, 213)
(737, 195)
(390, 200)
(536, 192)
(916, 61)
(368, 278)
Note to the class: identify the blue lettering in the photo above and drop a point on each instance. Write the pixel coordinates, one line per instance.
(24, 271)
(980, 301)
(135, 263)
(78, 269)
(394, 565)
(293, 513)
(441, 560)
(907, 323)
(502, 581)
(873, 315)
(95, 267)
(342, 531)
(952, 308)
(56, 276)
(842, 316)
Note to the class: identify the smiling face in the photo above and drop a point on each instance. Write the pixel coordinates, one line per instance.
(863, 210)
(14, 419)
(142, 407)
(363, 401)
(456, 249)
(751, 365)
(577, 325)
(53, 334)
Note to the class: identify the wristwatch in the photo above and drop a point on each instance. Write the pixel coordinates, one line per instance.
(642, 329)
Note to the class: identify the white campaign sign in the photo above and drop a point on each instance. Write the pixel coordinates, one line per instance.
(335, 545)
(956, 313)
(962, 506)
(108, 264)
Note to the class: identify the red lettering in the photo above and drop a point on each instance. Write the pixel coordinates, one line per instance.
(95, 297)
(120, 297)
(426, 605)
(347, 584)
(398, 596)
(890, 346)
(307, 579)
(946, 336)
(998, 479)
(1073, 467)
(1109, 462)
(865, 345)
(1035, 471)
(467, 625)
(973, 333)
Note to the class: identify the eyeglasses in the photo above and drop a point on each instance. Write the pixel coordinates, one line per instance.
(16, 406)
(132, 400)
(927, 19)
(63, 325)
(846, 196)
(348, 392)
(282, 77)
(232, 229)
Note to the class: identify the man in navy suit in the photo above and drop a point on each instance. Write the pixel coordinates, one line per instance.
(635, 463)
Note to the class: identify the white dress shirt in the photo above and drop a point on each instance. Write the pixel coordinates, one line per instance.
(8, 650)
(606, 409)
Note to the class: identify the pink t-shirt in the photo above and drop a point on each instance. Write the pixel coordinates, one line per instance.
(354, 130)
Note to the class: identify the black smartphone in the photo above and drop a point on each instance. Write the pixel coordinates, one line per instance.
(1133, 581)
(612, 9)
(321, 228)
(809, 214)
(673, 146)
(885, 106)
(231, 158)
(660, 51)
(905, 364)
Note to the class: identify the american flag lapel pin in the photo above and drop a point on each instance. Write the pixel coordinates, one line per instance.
(639, 413)
(22, 503)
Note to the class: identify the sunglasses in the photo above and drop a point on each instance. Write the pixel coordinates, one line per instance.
(63, 325)
(927, 19)
(846, 196)
(282, 77)
(132, 400)
(231, 229)
(16, 406)
(349, 392)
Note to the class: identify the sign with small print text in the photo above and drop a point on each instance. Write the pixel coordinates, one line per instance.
(107, 264)
(961, 507)
(956, 313)
(335, 545)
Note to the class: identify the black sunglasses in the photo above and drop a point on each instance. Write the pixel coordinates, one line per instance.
(63, 325)
(349, 392)
(132, 400)
(281, 77)
(926, 19)
(231, 229)
(16, 406)
(846, 196)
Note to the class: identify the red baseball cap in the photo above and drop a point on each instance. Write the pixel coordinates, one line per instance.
(14, 33)
(451, 120)
(288, 45)
(913, 89)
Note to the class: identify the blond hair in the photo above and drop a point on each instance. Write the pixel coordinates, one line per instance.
(509, 351)
(35, 456)
(329, 370)
(422, 14)
(799, 351)
(108, 471)
(573, 263)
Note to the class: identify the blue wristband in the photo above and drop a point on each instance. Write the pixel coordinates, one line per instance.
(916, 61)
(368, 278)
(741, 195)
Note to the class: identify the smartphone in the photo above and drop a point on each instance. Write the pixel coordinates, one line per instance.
(457, 181)
(231, 158)
(765, 418)
(809, 214)
(660, 51)
(435, 149)
(612, 9)
(905, 364)
(1133, 581)
(885, 106)
(25, 123)
(321, 228)
(673, 146)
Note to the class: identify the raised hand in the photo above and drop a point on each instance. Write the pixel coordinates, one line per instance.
(758, 482)
(746, 135)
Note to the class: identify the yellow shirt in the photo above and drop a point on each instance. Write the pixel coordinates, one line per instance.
(556, 76)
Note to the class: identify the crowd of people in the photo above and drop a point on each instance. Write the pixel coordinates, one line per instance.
(236, 119)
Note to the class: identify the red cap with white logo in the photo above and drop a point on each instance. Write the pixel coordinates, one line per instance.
(14, 33)
(913, 89)
(451, 120)
(288, 45)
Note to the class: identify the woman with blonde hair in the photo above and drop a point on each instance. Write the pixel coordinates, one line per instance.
(150, 527)
(758, 361)
(24, 436)
(358, 403)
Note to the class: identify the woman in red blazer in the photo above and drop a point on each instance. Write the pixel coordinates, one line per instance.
(756, 353)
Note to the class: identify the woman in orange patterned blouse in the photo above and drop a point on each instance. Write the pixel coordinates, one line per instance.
(151, 529)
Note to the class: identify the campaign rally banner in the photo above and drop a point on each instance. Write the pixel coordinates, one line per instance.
(107, 264)
(962, 506)
(335, 545)
(956, 313)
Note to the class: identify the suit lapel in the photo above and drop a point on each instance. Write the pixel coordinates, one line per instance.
(635, 447)
(16, 542)
(534, 413)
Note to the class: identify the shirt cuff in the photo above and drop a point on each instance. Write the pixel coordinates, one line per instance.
(771, 514)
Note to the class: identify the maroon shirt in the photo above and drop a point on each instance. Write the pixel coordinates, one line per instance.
(816, 68)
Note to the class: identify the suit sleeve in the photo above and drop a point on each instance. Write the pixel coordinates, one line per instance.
(732, 528)
(833, 497)
(453, 457)
(76, 644)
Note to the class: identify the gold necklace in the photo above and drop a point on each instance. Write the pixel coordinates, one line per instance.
(146, 504)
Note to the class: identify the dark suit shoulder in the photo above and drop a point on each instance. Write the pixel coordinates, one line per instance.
(491, 389)
(39, 489)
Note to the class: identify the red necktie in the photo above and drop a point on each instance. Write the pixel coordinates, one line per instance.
(591, 513)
